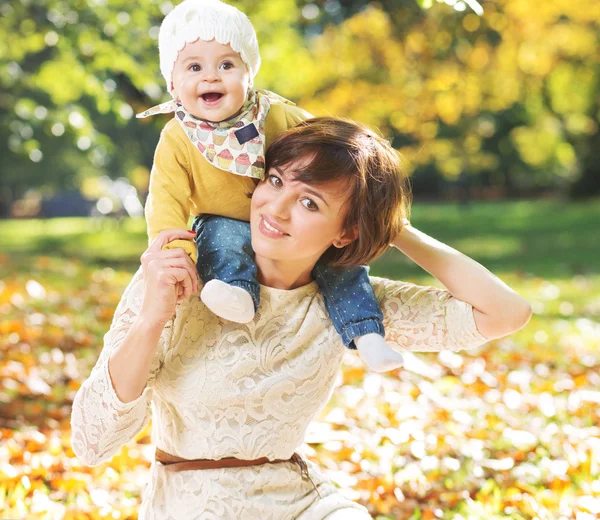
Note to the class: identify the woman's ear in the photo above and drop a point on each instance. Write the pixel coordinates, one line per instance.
(346, 238)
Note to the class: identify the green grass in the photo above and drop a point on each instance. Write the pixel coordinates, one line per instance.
(541, 238)
(547, 251)
(97, 242)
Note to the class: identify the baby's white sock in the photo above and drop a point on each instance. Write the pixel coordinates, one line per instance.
(228, 301)
(377, 354)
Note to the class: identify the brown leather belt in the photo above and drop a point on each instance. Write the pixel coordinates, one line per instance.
(174, 463)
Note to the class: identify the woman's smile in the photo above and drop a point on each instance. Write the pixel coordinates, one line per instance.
(269, 228)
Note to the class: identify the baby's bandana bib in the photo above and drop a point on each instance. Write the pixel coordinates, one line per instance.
(236, 145)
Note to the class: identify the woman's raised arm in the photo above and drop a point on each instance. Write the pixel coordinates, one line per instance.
(497, 309)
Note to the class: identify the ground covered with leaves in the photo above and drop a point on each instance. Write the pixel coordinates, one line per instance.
(510, 430)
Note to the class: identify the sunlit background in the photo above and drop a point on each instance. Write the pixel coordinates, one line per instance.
(494, 107)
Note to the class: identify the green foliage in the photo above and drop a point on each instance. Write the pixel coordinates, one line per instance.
(507, 99)
(69, 73)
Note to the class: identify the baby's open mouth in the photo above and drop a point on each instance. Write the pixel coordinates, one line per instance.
(211, 97)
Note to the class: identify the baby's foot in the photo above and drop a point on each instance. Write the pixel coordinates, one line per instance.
(377, 354)
(228, 301)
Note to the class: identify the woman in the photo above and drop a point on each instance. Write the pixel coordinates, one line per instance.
(231, 403)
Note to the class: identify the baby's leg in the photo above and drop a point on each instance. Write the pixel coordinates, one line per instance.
(226, 266)
(356, 314)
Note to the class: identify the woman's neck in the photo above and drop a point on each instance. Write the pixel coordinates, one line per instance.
(282, 275)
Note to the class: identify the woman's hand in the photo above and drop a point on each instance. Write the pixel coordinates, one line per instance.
(169, 276)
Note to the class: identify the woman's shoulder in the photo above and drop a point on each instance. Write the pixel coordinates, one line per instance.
(448, 319)
(387, 285)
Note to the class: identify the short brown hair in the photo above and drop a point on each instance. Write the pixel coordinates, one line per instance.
(379, 194)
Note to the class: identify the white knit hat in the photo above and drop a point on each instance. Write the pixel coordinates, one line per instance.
(206, 20)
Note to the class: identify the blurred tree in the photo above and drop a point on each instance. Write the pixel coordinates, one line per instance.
(70, 73)
(73, 73)
(508, 99)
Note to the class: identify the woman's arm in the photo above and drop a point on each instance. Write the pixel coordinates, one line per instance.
(497, 309)
(112, 405)
(100, 421)
(169, 276)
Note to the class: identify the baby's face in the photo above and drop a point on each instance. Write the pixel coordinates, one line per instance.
(211, 80)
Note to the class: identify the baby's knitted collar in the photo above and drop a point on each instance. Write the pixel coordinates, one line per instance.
(236, 145)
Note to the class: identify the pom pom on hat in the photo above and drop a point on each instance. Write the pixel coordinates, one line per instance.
(206, 20)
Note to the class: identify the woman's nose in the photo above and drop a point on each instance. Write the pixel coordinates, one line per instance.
(280, 206)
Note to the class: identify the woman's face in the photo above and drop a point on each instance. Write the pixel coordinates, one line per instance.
(292, 221)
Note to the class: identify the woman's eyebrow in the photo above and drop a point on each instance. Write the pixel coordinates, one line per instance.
(317, 194)
(309, 190)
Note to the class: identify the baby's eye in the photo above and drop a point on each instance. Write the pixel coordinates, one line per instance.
(309, 204)
(275, 181)
(227, 65)
(194, 67)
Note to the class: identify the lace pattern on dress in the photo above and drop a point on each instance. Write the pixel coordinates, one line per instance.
(220, 389)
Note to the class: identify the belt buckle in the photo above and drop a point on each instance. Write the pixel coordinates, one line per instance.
(297, 459)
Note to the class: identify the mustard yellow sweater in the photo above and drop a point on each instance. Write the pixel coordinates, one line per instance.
(184, 183)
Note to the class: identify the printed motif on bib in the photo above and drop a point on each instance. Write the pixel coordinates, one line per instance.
(236, 145)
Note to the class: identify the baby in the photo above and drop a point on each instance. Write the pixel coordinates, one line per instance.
(210, 157)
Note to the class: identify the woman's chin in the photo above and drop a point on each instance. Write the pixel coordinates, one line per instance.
(266, 251)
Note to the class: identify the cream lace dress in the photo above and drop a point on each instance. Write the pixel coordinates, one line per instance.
(219, 389)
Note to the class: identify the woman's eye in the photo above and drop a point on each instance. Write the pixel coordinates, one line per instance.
(274, 181)
(309, 204)
(227, 65)
(194, 67)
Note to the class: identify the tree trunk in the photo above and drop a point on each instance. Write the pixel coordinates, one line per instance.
(588, 185)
